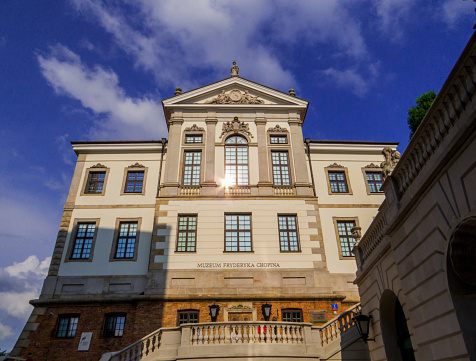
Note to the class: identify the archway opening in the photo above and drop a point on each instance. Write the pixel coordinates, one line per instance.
(395, 334)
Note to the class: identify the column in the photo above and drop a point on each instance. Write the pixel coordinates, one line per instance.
(264, 183)
(172, 162)
(302, 182)
(209, 185)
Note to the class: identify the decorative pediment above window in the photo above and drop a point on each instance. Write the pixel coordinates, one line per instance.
(99, 165)
(235, 97)
(136, 165)
(277, 129)
(236, 126)
(194, 128)
(335, 165)
(371, 165)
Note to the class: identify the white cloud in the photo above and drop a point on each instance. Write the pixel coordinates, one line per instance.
(350, 79)
(173, 35)
(453, 10)
(20, 283)
(98, 89)
(391, 14)
(5, 331)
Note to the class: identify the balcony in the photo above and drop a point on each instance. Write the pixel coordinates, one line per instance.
(270, 340)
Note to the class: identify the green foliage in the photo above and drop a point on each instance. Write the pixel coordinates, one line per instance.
(416, 114)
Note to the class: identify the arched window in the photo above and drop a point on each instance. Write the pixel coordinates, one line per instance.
(236, 160)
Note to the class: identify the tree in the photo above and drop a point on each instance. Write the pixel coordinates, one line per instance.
(416, 114)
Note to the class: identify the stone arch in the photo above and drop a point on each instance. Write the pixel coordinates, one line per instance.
(396, 337)
(461, 273)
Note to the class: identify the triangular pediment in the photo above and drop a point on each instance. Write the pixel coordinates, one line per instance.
(233, 92)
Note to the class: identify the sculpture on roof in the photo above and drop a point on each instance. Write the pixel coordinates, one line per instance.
(234, 69)
(235, 97)
(391, 159)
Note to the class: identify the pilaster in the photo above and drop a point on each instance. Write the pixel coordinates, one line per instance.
(302, 183)
(264, 183)
(209, 185)
(172, 164)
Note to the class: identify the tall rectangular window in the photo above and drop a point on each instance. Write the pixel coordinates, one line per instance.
(191, 171)
(374, 181)
(95, 183)
(338, 182)
(238, 233)
(134, 182)
(346, 241)
(126, 241)
(83, 241)
(187, 316)
(280, 168)
(187, 233)
(67, 325)
(288, 235)
(236, 160)
(114, 325)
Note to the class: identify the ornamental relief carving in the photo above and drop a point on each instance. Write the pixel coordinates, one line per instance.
(194, 128)
(372, 165)
(391, 159)
(99, 165)
(136, 165)
(277, 129)
(235, 97)
(335, 165)
(236, 126)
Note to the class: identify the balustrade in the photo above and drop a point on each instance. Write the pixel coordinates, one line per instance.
(238, 191)
(283, 190)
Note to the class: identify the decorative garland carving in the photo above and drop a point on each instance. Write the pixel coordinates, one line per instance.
(335, 165)
(236, 126)
(391, 159)
(136, 165)
(99, 165)
(235, 97)
(371, 165)
(194, 128)
(278, 129)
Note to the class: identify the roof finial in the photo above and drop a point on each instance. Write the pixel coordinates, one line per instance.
(234, 69)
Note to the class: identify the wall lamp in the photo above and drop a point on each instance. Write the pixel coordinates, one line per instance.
(266, 309)
(362, 322)
(214, 312)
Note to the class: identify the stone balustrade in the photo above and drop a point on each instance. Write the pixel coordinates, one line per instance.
(452, 100)
(238, 191)
(281, 191)
(216, 340)
(189, 191)
(372, 237)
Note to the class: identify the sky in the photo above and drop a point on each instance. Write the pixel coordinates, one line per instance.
(97, 70)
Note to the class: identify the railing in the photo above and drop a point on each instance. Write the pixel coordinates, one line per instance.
(283, 190)
(335, 327)
(190, 191)
(447, 108)
(249, 332)
(140, 349)
(373, 236)
(238, 191)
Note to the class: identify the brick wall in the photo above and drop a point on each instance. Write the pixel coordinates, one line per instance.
(142, 318)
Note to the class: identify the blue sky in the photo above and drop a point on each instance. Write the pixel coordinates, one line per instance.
(97, 70)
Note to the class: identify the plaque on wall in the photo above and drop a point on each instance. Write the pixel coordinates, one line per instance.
(85, 341)
(318, 316)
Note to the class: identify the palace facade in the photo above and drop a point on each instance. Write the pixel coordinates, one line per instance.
(234, 218)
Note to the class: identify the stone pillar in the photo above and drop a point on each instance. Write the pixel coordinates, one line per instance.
(172, 163)
(264, 183)
(302, 182)
(209, 185)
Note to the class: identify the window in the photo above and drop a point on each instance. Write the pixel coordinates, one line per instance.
(193, 138)
(83, 241)
(126, 241)
(288, 235)
(238, 233)
(346, 241)
(187, 233)
(114, 325)
(236, 160)
(292, 315)
(95, 183)
(134, 182)
(278, 139)
(187, 316)
(280, 168)
(67, 325)
(191, 172)
(374, 181)
(338, 183)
